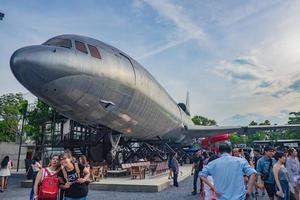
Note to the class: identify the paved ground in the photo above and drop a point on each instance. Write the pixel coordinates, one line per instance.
(15, 192)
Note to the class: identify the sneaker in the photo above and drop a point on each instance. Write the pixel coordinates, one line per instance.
(194, 192)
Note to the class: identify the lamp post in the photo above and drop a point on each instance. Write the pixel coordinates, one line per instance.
(24, 111)
(21, 140)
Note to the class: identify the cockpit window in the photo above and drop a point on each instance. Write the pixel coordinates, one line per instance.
(80, 47)
(94, 51)
(59, 42)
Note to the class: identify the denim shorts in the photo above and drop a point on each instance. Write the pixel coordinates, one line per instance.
(82, 198)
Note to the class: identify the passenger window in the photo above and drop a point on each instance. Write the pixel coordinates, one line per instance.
(94, 51)
(59, 42)
(80, 47)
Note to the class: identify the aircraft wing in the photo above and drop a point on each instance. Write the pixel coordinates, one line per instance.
(196, 131)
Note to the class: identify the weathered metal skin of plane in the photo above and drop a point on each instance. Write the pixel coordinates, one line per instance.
(110, 89)
(115, 91)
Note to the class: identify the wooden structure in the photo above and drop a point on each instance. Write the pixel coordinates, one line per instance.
(137, 169)
(98, 172)
(158, 168)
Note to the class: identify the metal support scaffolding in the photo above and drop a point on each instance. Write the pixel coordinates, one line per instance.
(133, 151)
(101, 143)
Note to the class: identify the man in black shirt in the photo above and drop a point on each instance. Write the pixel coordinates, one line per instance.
(256, 157)
(197, 167)
(73, 178)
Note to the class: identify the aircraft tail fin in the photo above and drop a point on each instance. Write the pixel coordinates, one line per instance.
(187, 102)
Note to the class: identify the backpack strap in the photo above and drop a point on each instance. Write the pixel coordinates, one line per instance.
(48, 173)
(65, 174)
(43, 175)
(77, 169)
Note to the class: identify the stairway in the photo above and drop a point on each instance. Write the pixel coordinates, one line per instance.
(77, 152)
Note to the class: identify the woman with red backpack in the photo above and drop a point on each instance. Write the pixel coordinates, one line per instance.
(46, 186)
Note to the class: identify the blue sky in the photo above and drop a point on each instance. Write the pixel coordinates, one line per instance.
(240, 60)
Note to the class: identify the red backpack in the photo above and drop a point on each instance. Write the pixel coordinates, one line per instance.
(49, 187)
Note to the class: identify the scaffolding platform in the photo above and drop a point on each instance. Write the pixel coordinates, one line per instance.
(126, 184)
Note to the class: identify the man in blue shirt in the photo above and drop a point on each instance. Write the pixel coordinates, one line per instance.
(265, 174)
(228, 175)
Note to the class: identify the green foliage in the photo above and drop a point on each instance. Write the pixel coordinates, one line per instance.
(260, 135)
(294, 118)
(292, 135)
(39, 115)
(203, 121)
(275, 136)
(235, 139)
(12, 109)
(266, 122)
(253, 123)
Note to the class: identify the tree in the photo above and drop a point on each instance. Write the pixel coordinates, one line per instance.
(253, 123)
(266, 122)
(294, 118)
(238, 139)
(12, 109)
(203, 121)
(259, 135)
(36, 118)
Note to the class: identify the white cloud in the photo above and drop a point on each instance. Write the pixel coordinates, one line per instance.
(186, 27)
(275, 59)
(244, 11)
(245, 119)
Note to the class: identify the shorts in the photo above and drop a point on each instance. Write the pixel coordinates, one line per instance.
(270, 187)
(69, 198)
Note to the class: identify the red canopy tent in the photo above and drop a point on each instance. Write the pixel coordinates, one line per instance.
(207, 142)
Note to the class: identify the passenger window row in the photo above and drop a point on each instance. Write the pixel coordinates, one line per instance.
(80, 46)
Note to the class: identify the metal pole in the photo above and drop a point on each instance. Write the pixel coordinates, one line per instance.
(20, 145)
(53, 125)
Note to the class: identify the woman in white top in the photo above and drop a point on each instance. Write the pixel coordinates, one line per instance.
(6, 165)
(293, 167)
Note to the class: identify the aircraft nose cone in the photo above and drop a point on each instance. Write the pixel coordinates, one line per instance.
(25, 65)
(32, 67)
(16, 61)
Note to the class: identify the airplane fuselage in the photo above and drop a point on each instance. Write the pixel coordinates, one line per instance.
(110, 89)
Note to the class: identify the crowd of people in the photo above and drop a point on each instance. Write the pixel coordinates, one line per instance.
(230, 174)
(235, 174)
